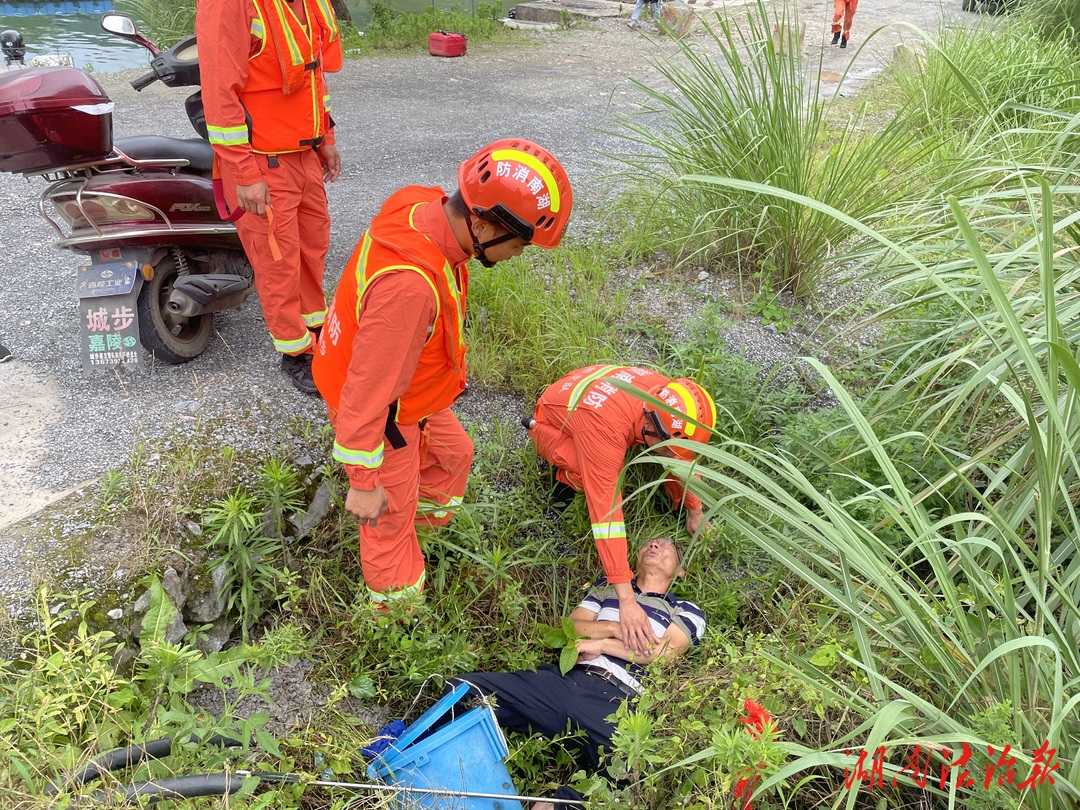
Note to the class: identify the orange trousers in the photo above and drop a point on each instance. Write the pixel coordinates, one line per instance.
(290, 289)
(843, 11)
(424, 481)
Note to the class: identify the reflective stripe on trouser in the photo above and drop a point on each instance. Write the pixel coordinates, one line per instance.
(446, 454)
(843, 11)
(290, 288)
(390, 555)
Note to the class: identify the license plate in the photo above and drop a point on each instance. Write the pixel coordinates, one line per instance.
(110, 278)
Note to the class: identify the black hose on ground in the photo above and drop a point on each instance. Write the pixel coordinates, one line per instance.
(130, 757)
(176, 787)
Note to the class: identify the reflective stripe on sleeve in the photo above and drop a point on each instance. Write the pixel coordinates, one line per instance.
(609, 531)
(361, 458)
(227, 136)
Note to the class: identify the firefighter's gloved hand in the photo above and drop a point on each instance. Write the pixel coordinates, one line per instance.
(367, 505)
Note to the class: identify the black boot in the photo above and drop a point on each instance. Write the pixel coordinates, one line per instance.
(835, 37)
(297, 368)
(843, 42)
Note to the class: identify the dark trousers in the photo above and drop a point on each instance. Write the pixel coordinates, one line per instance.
(545, 702)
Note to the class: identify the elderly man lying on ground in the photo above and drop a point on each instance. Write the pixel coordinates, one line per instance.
(548, 703)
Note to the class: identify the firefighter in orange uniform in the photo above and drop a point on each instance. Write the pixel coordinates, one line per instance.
(392, 358)
(263, 64)
(583, 425)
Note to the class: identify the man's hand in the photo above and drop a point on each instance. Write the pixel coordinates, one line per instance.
(694, 518)
(331, 162)
(254, 198)
(637, 633)
(589, 648)
(366, 505)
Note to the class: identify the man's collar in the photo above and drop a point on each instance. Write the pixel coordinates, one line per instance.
(667, 597)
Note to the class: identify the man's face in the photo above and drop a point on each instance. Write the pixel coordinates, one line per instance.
(659, 556)
(507, 250)
(486, 231)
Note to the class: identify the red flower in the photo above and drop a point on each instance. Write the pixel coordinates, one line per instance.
(744, 788)
(757, 720)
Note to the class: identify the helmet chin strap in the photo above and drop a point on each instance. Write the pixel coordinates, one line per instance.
(480, 248)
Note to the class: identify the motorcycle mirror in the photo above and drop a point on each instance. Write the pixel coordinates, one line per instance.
(119, 24)
(124, 26)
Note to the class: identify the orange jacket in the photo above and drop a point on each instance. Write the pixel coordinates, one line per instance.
(264, 87)
(394, 334)
(604, 422)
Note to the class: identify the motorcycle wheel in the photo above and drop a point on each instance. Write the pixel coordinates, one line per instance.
(172, 339)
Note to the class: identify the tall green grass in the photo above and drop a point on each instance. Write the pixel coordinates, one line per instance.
(1054, 18)
(967, 630)
(986, 86)
(166, 23)
(751, 114)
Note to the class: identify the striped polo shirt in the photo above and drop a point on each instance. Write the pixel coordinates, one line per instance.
(662, 610)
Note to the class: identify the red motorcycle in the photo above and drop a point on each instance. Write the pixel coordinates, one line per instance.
(161, 260)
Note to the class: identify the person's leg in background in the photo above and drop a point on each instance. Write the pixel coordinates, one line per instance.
(849, 17)
(839, 7)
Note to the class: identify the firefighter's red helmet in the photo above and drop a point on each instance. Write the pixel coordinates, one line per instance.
(520, 186)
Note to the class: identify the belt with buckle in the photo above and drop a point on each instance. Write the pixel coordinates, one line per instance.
(606, 675)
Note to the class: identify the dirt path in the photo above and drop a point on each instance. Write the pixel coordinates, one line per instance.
(401, 120)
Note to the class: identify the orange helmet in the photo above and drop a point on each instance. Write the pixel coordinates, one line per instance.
(684, 397)
(519, 186)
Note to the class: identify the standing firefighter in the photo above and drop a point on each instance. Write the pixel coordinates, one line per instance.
(392, 359)
(583, 425)
(263, 64)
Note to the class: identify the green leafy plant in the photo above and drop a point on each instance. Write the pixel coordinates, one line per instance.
(247, 555)
(564, 638)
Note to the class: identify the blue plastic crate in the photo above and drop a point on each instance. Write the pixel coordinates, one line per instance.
(464, 756)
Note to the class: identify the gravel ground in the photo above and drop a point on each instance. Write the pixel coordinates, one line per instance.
(407, 119)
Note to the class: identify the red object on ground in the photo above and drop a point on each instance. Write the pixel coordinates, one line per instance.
(446, 43)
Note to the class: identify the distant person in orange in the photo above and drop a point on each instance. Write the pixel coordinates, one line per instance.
(584, 424)
(392, 359)
(843, 14)
(263, 65)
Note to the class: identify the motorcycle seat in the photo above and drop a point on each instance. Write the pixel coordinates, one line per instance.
(198, 153)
